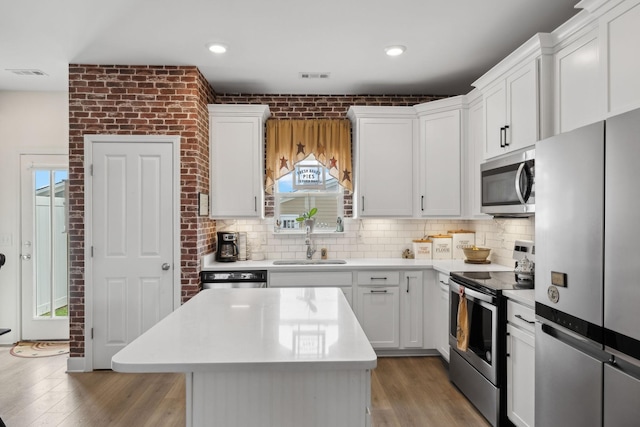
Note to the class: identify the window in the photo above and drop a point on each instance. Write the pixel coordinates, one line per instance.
(307, 186)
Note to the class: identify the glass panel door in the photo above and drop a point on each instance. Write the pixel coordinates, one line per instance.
(44, 247)
(51, 295)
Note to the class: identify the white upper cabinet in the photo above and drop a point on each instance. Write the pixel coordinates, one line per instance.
(577, 91)
(236, 135)
(620, 63)
(473, 155)
(515, 92)
(384, 148)
(440, 143)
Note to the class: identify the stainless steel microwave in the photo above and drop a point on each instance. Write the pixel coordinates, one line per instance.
(508, 185)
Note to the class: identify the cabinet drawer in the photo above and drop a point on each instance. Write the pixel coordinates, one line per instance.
(380, 278)
(521, 316)
(313, 279)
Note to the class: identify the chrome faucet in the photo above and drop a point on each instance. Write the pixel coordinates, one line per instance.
(311, 248)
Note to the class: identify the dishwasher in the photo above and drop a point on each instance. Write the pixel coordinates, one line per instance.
(233, 279)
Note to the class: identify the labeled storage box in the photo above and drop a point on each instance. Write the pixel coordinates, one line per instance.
(422, 249)
(461, 239)
(441, 246)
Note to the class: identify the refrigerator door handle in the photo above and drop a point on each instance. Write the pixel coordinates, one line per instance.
(574, 340)
(619, 355)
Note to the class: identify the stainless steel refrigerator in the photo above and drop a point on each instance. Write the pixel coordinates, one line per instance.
(588, 275)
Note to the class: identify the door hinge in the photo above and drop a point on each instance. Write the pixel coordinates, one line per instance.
(91, 169)
(91, 333)
(91, 251)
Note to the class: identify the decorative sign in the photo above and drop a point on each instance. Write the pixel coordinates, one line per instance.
(309, 177)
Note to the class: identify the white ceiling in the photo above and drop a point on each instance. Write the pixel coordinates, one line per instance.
(450, 43)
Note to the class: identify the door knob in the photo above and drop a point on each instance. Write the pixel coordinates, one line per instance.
(166, 266)
(26, 256)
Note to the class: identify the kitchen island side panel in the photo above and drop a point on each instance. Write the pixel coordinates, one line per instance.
(270, 398)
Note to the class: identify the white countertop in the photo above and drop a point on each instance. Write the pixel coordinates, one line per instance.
(523, 296)
(231, 329)
(443, 266)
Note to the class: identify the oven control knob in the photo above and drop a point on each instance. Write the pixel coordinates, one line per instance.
(553, 294)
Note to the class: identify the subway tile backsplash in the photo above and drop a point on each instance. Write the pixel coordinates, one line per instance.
(380, 238)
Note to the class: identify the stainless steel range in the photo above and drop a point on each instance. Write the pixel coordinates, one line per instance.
(479, 371)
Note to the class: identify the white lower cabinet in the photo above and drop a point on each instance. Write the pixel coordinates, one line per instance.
(314, 279)
(392, 306)
(520, 364)
(411, 310)
(378, 307)
(442, 322)
(378, 310)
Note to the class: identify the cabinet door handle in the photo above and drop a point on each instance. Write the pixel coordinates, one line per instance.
(506, 141)
(362, 204)
(422, 203)
(408, 281)
(531, 322)
(501, 137)
(378, 278)
(255, 203)
(384, 291)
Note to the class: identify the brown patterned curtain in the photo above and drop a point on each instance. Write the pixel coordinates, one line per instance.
(290, 141)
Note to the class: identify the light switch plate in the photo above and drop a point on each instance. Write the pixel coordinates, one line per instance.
(522, 248)
(6, 239)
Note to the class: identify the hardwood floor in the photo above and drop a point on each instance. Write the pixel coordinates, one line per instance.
(406, 392)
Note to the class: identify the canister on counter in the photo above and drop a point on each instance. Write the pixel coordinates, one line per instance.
(461, 239)
(422, 248)
(441, 246)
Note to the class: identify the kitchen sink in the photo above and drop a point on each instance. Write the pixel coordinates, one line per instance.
(308, 261)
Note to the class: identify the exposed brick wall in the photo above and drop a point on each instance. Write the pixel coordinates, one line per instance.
(142, 100)
(320, 107)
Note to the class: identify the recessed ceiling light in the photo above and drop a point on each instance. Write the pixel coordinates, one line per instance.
(395, 50)
(217, 48)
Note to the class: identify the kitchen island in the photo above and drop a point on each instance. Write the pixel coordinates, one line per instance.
(267, 357)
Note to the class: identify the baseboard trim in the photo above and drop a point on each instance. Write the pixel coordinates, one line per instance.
(407, 352)
(76, 364)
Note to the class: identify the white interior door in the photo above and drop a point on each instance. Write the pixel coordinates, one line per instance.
(133, 241)
(44, 247)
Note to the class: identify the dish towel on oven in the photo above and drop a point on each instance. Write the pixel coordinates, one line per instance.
(462, 331)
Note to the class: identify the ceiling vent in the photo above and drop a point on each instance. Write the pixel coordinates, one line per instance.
(306, 75)
(26, 72)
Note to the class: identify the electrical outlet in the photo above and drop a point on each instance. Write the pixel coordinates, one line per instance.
(263, 238)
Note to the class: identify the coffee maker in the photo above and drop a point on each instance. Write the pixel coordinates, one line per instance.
(227, 250)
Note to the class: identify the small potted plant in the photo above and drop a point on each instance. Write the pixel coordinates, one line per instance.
(308, 219)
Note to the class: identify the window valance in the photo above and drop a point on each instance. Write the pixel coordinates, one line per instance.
(290, 141)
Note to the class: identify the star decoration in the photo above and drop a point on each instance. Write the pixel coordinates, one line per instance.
(332, 163)
(283, 163)
(300, 148)
(346, 175)
(270, 173)
(321, 149)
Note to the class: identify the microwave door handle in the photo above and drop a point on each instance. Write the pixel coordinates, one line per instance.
(518, 177)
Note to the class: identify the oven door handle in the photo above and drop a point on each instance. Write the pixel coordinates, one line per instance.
(455, 287)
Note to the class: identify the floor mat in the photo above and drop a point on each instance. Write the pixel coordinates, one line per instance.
(40, 348)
